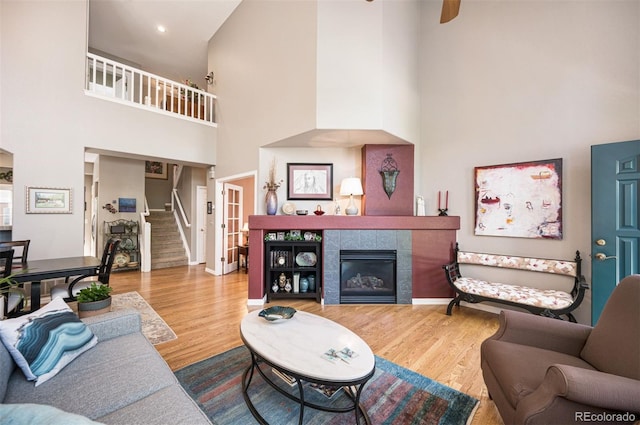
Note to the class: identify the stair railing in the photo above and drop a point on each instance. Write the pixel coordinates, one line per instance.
(181, 219)
(145, 239)
(125, 84)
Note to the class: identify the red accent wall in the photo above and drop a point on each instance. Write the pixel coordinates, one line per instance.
(375, 200)
(433, 239)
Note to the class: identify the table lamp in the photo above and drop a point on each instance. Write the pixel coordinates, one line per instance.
(245, 230)
(351, 186)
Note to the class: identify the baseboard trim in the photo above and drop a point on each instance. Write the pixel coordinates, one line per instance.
(483, 307)
(430, 301)
(446, 301)
(259, 301)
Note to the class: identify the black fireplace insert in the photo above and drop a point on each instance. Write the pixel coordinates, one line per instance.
(368, 277)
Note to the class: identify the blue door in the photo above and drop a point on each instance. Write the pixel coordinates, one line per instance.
(615, 232)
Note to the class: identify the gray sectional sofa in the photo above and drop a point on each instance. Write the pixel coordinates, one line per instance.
(122, 380)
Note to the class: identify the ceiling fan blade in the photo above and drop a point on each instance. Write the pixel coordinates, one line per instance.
(450, 9)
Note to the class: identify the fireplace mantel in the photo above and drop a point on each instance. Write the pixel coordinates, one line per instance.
(432, 241)
(343, 222)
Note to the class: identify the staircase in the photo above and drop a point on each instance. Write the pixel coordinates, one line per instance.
(167, 249)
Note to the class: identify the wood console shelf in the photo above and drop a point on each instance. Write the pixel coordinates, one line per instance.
(287, 264)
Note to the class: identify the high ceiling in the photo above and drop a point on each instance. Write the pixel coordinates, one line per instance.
(127, 29)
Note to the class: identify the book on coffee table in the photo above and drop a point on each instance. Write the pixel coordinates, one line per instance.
(290, 380)
(347, 354)
(326, 390)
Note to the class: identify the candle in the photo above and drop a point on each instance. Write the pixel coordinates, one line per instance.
(438, 199)
(446, 202)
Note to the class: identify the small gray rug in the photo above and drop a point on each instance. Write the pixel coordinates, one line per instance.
(153, 326)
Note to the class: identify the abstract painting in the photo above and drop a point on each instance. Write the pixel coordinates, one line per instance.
(519, 200)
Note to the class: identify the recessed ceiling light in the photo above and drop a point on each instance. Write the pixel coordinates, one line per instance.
(161, 28)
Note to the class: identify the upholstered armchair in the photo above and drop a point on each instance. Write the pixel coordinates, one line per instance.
(544, 371)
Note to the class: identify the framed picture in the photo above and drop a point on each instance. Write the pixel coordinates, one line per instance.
(127, 205)
(155, 170)
(48, 200)
(519, 200)
(310, 181)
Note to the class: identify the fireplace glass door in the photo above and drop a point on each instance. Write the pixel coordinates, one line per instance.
(367, 277)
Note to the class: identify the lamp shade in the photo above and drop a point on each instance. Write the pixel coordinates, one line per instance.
(351, 186)
(245, 228)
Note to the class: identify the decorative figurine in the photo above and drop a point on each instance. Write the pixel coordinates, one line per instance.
(420, 209)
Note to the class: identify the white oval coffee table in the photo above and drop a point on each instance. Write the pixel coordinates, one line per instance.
(297, 347)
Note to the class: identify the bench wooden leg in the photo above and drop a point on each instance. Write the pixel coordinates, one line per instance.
(455, 301)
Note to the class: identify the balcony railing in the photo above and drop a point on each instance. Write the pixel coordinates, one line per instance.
(112, 80)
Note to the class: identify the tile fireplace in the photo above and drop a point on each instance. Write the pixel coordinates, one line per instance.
(367, 276)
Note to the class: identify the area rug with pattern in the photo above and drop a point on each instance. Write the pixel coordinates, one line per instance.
(153, 326)
(393, 396)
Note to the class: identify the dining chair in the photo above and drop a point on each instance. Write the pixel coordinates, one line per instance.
(69, 290)
(13, 296)
(20, 251)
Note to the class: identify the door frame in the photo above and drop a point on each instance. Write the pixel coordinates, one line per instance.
(219, 185)
(201, 224)
(231, 253)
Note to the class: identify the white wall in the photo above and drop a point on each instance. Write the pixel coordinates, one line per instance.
(367, 74)
(117, 178)
(51, 120)
(519, 81)
(346, 163)
(264, 59)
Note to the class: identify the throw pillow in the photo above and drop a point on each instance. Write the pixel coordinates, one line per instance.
(45, 341)
(27, 414)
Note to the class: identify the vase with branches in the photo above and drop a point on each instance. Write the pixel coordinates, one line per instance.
(271, 185)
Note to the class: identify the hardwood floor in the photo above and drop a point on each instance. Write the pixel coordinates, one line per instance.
(205, 312)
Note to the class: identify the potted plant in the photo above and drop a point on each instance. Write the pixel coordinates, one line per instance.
(94, 300)
(9, 286)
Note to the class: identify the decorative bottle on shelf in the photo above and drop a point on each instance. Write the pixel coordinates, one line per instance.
(296, 283)
(312, 282)
(304, 284)
(282, 281)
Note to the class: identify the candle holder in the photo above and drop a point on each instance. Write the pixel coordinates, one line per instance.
(443, 211)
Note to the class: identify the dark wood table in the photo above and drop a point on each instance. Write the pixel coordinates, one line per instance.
(244, 251)
(36, 271)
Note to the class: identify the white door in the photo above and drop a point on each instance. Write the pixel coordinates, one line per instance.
(201, 224)
(231, 230)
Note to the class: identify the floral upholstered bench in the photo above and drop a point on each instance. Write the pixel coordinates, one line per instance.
(545, 302)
